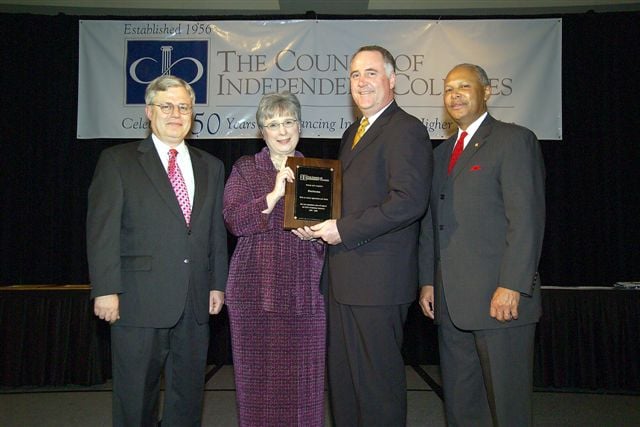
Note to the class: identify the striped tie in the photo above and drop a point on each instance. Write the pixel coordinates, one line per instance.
(363, 126)
(179, 187)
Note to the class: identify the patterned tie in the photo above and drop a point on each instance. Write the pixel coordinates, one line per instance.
(179, 187)
(363, 125)
(457, 150)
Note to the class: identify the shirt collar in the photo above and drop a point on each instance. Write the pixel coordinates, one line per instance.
(163, 148)
(373, 117)
(473, 127)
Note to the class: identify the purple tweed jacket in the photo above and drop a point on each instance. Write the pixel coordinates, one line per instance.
(271, 269)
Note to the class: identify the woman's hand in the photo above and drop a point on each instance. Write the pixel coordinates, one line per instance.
(284, 176)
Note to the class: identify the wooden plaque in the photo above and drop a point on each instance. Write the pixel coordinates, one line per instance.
(316, 193)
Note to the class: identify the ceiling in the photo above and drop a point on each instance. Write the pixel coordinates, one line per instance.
(320, 7)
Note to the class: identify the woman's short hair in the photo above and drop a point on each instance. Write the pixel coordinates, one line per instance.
(278, 104)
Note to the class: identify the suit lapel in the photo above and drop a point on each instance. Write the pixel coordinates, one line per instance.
(152, 165)
(201, 182)
(442, 163)
(347, 155)
(476, 143)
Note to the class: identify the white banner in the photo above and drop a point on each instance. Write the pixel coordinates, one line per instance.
(231, 64)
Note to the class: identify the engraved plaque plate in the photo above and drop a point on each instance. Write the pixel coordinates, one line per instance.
(316, 193)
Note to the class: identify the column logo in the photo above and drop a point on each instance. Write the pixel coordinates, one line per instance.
(146, 60)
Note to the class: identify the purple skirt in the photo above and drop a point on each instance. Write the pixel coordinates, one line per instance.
(279, 365)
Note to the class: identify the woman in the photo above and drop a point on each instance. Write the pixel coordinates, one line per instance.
(276, 311)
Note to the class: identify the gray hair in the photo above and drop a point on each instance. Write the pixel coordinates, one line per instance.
(163, 83)
(389, 61)
(480, 73)
(278, 104)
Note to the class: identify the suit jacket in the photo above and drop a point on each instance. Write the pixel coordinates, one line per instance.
(485, 225)
(138, 243)
(385, 188)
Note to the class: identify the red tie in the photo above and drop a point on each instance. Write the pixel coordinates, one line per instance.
(457, 150)
(179, 187)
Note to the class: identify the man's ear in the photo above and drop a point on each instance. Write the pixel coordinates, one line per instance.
(148, 112)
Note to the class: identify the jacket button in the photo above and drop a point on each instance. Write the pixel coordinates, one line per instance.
(442, 197)
(441, 227)
(186, 261)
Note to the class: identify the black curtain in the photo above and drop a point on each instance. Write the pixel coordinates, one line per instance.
(593, 175)
(51, 337)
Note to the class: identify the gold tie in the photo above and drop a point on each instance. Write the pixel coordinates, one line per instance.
(363, 125)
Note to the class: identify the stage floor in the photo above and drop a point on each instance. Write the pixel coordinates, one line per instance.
(91, 406)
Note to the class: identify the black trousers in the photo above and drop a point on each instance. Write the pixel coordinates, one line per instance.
(141, 355)
(367, 383)
(487, 375)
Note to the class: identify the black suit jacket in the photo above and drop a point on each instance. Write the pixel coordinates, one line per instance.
(485, 225)
(138, 243)
(385, 182)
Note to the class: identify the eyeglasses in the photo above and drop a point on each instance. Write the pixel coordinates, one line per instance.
(288, 124)
(168, 108)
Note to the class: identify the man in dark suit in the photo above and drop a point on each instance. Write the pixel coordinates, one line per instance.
(158, 261)
(480, 245)
(372, 263)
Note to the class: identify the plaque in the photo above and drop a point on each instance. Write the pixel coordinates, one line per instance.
(316, 193)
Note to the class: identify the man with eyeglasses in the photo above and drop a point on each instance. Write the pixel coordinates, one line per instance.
(157, 253)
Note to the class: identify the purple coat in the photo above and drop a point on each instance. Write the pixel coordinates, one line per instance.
(271, 269)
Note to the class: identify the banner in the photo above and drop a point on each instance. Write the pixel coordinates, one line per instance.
(231, 64)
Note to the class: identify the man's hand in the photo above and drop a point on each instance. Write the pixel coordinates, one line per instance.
(327, 231)
(216, 301)
(426, 301)
(106, 307)
(504, 304)
(304, 233)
